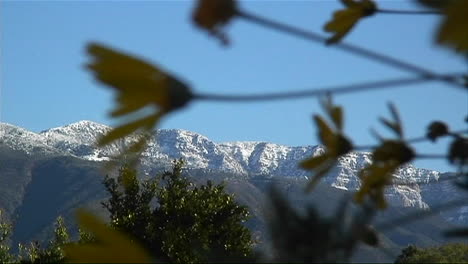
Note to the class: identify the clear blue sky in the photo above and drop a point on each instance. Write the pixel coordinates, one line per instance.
(43, 83)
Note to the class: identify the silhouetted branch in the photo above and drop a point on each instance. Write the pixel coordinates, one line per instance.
(350, 88)
(412, 140)
(362, 52)
(408, 12)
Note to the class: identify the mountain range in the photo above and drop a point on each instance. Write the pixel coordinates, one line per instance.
(61, 169)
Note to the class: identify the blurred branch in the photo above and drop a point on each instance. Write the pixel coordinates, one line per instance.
(356, 50)
(408, 12)
(430, 156)
(413, 140)
(350, 88)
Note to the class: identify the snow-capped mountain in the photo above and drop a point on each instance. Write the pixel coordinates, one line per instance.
(242, 158)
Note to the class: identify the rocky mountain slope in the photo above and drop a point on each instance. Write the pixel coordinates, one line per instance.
(46, 174)
(243, 158)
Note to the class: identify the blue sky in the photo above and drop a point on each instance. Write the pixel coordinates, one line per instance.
(44, 84)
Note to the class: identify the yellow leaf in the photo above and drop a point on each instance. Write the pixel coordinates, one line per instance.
(138, 85)
(325, 133)
(337, 117)
(138, 82)
(344, 20)
(453, 29)
(374, 180)
(112, 246)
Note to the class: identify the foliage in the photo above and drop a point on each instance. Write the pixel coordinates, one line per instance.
(5, 232)
(312, 238)
(199, 224)
(344, 20)
(53, 253)
(336, 143)
(108, 246)
(190, 224)
(138, 85)
(449, 253)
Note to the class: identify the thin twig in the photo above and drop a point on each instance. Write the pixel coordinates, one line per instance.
(362, 52)
(387, 225)
(408, 12)
(412, 140)
(350, 88)
(430, 156)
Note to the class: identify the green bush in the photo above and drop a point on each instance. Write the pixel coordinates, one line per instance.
(186, 224)
(449, 253)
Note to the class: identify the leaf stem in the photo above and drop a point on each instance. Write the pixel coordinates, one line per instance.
(408, 12)
(356, 50)
(414, 140)
(341, 89)
(430, 156)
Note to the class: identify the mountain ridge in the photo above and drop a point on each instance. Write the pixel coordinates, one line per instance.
(247, 158)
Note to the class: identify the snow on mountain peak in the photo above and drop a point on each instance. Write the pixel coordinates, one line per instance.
(245, 158)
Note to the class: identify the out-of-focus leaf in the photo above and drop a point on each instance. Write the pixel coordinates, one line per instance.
(391, 125)
(320, 173)
(437, 4)
(314, 162)
(344, 20)
(335, 142)
(325, 133)
(452, 31)
(343, 145)
(436, 129)
(370, 237)
(394, 125)
(212, 15)
(111, 246)
(458, 151)
(459, 232)
(376, 134)
(337, 117)
(335, 113)
(393, 150)
(374, 180)
(138, 85)
(127, 129)
(394, 112)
